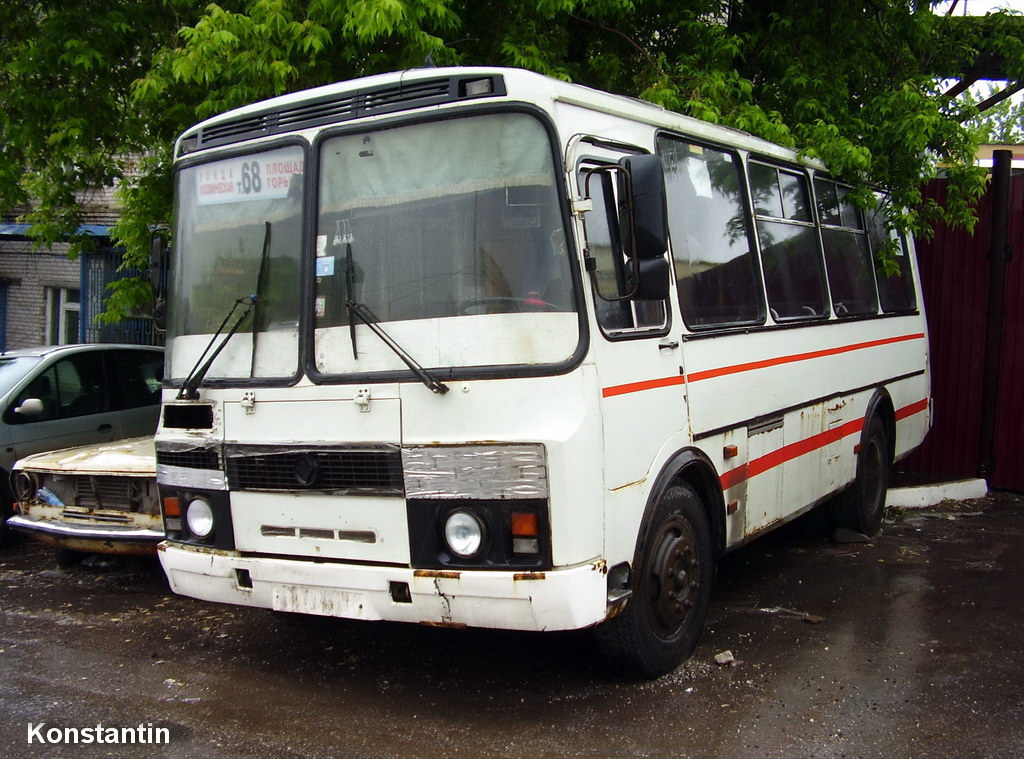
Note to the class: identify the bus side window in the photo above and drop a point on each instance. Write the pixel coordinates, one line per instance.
(611, 276)
(793, 276)
(712, 238)
(896, 289)
(847, 256)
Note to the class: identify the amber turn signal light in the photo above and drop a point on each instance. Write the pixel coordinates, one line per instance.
(172, 506)
(524, 524)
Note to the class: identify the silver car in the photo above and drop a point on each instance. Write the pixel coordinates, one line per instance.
(59, 396)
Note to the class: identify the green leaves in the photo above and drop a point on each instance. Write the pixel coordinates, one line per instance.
(84, 85)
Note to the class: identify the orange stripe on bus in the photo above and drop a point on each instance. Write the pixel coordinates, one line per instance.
(913, 408)
(789, 452)
(634, 387)
(738, 368)
(801, 447)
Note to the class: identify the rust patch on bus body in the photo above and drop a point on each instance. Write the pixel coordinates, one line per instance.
(449, 625)
(437, 574)
(528, 576)
(641, 481)
(616, 608)
(765, 528)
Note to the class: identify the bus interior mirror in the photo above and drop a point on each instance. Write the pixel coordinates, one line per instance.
(649, 217)
(652, 279)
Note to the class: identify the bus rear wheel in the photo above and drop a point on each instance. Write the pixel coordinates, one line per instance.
(861, 505)
(672, 578)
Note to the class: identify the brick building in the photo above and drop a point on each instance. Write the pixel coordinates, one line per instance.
(47, 298)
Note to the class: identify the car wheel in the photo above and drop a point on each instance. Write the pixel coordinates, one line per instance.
(67, 558)
(6, 510)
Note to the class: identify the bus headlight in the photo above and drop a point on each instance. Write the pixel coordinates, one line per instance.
(464, 534)
(199, 517)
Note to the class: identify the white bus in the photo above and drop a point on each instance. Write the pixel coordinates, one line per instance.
(475, 347)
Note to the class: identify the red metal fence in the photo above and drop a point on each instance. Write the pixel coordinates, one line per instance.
(954, 273)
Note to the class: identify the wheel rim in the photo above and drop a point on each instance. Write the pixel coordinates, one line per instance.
(674, 575)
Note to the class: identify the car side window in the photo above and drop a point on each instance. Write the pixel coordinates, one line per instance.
(135, 378)
(81, 384)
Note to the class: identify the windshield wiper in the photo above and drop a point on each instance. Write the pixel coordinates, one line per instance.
(189, 391)
(367, 317)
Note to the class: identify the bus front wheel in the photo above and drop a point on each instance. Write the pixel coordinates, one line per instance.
(672, 577)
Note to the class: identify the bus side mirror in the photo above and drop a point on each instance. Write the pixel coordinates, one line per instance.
(647, 205)
(652, 279)
(157, 254)
(157, 267)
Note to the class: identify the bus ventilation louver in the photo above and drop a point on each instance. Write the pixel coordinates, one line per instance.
(368, 471)
(341, 107)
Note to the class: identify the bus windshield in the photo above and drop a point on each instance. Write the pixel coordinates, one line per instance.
(225, 252)
(450, 233)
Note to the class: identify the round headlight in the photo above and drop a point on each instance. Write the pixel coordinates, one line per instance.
(25, 485)
(199, 517)
(464, 534)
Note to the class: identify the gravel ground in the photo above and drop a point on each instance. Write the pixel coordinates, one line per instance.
(905, 646)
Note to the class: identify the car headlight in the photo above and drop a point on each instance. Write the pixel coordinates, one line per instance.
(464, 534)
(199, 517)
(25, 485)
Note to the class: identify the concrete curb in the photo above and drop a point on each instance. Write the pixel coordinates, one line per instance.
(930, 495)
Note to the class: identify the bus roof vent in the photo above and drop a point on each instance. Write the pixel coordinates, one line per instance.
(345, 106)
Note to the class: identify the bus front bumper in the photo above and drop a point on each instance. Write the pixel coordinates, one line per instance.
(563, 599)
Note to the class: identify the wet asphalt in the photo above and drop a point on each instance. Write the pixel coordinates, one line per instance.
(908, 646)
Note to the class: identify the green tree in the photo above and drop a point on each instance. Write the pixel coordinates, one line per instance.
(854, 83)
(1003, 123)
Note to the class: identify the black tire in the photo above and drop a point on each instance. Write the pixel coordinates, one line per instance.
(860, 506)
(67, 558)
(673, 572)
(6, 510)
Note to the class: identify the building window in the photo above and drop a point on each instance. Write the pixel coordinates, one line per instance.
(63, 309)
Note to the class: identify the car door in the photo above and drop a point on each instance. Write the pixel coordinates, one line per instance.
(76, 408)
(135, 377)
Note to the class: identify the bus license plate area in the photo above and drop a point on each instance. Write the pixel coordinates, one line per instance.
(327, 602)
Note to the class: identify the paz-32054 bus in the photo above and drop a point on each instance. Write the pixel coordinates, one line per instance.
(475, 347)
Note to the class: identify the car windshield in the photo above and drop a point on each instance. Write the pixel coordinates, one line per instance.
(13, 369)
